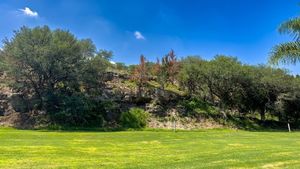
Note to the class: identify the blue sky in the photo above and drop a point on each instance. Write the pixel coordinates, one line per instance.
(246, 29)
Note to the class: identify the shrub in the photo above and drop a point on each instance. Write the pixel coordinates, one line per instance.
(194, 103)
(134, 118)
(111, 110)
(78, 111)
(196, 106)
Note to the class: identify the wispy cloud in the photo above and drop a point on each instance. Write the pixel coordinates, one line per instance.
(28, 12)
(138, 35)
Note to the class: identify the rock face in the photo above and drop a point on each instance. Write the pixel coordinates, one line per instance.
(109, 76)
(155, 108)
(5, 106)
(119, 88)
(183, 123)
(8, 116)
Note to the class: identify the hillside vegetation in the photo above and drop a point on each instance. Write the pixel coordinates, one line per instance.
(49, 78)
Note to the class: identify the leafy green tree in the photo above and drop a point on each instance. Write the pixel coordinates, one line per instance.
(222, 75)
(52, 69)
(92, 75)
(224, 80)
(48, 60)
(217, 79)
(2, 63)
(262, 86)
(191, 75)
(105, 54)
(288, 107)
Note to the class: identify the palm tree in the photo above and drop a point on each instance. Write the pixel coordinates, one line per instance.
(288, 52)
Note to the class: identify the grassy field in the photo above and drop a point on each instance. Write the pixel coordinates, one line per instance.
(149, 149)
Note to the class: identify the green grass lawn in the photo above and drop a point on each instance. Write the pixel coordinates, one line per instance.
(149, 149)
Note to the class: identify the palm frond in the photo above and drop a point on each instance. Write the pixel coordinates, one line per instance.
(291, 27)
(286, 53)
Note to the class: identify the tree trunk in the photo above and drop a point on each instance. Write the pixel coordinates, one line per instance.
(211, 95)
(139, 91)
(262, 115)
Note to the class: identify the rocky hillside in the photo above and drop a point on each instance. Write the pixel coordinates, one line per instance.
(171, 107)
(120, 89)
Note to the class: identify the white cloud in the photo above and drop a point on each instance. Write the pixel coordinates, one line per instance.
(138, 35)
(28, 12)
(112, 62)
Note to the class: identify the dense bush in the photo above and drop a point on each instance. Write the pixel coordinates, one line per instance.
(111, 111)
(134, 118)
(78, 110)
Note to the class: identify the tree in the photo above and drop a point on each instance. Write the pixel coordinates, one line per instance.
(156, 67)
(53, 71)
(173, 66)
(288, 106)
(216, 79)
(222, 75)
(167, 70)
(140, 74)
(224, 80)
(105, 54)
(163, 76)
(92, 75)
(48, 60)
(288, 52)
(3, 66)
(191, 75)
(262, 86)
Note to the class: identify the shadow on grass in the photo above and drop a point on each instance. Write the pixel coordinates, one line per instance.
(231, 123)
(256, 125)
(106, 130)
(77, 129)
